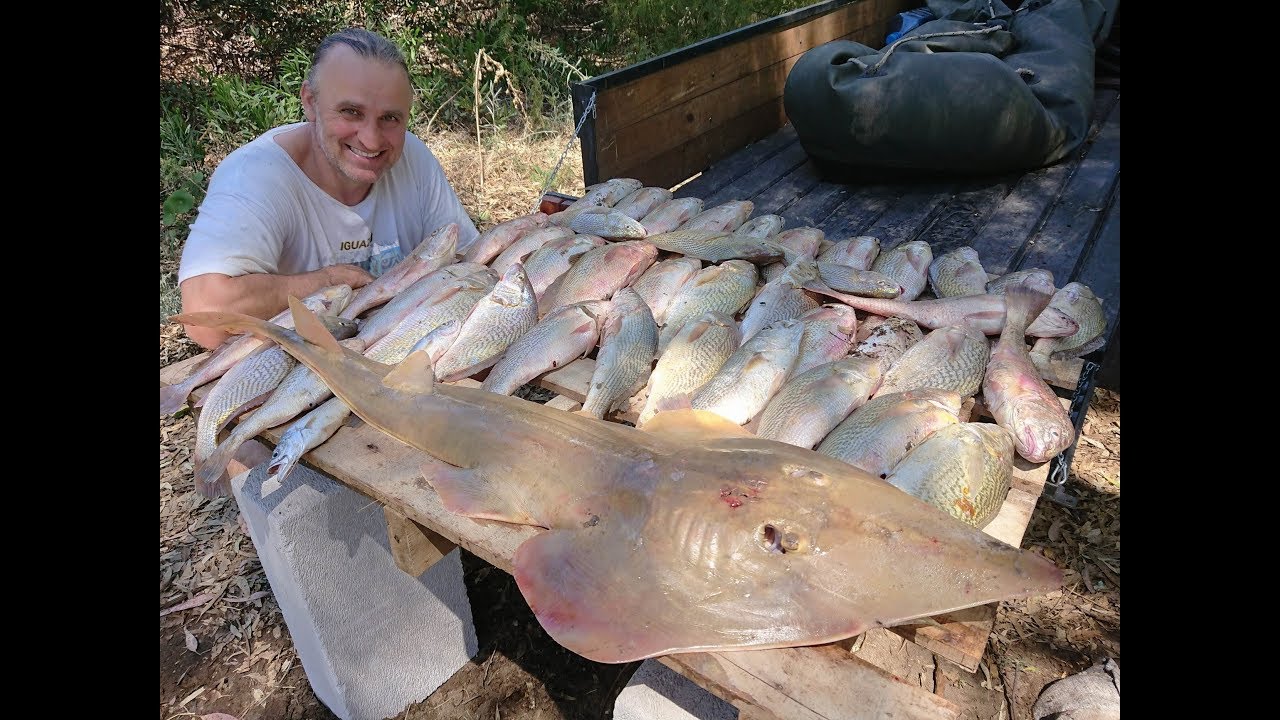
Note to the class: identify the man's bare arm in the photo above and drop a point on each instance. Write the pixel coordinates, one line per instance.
(257, 294)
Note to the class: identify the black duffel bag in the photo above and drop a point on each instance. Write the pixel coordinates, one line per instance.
(982, 89)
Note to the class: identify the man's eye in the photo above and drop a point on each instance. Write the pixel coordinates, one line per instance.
(350, 112)
(390, 119)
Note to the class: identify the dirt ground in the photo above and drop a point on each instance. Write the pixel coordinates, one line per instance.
(224, 647)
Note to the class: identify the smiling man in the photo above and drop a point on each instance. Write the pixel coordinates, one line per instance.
(336, 199)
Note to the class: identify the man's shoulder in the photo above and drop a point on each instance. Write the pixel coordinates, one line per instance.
(259, 161)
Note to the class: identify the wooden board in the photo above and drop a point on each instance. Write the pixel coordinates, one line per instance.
(741, 162)
(819, 682)
(1073, 222)
(674, 83)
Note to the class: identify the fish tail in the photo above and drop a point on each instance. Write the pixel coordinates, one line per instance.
(209, 475)
(1022, 303)
(172, 398)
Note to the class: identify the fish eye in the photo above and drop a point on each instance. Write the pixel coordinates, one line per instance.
(771, 538)
(776, 539)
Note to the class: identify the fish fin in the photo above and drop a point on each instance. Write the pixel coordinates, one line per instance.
(693, 425)
(208, 477)
(1085, 349)
(172, 398)
(311, 328)
(245, 407)
(413, 375)
(468, 492)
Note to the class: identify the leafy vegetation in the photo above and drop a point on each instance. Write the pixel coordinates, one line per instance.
(232, 69)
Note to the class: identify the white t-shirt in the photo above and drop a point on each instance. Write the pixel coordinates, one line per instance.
(262, 214)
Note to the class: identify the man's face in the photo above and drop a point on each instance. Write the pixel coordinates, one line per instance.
(360, 107)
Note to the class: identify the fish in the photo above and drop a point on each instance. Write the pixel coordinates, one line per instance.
(554, 259)
(716, 246)
(599, 273)
(950, 358)
(499, 319)
(753, 374)
(387, 317)
(887, 340)
(1076, 301)
(877, 435)
(858, 252)
(761, 227)
(628, 346)
(693, 356)
(802, 241)
(1017, 397)
(984, 312)
(687, 536)
(670, 215)
(812, 403)
(782, 299)
(488, 244)
(723, 288)
(305, 435)
(908, 264)
(662, 282)
(958, 273)
(301, 390)
(244, 387)
(725, 217)
(433, 253)
(608, 225)
(866, 283)
(526, 245)
(997, 286)
(828, 335)
(326, 301)
(965, 469)
(564, 335)
(317, 426)
(611, 191)
(641, 202)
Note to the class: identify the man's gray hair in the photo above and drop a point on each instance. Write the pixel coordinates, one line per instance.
(366, 44)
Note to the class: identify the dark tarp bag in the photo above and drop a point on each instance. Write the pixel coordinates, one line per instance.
(980, 90)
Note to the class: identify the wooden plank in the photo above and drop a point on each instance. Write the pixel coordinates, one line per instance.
(817, 205)
(414, 547)
(680, 163)
(865, 205)
(1101, 268)
(759, 178)
(1000, 242)
(830, 686)
(581, 95)
(1074, 220)
(914, 209)
(793, 186)
(632, 145)
(639, 99)
(964, 213)
(739, 163)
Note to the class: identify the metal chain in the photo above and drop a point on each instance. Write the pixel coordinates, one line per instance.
(590, 109)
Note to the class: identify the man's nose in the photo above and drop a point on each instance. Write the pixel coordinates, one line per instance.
(370, 137)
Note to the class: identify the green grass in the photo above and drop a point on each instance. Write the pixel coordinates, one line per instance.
(212, 101)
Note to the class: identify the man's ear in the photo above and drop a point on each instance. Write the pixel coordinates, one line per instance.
(308, 101)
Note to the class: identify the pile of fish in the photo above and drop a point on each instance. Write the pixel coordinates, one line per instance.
(789, 389)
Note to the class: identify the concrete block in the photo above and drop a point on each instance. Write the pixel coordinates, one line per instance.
(372, 639)
(656, 692)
